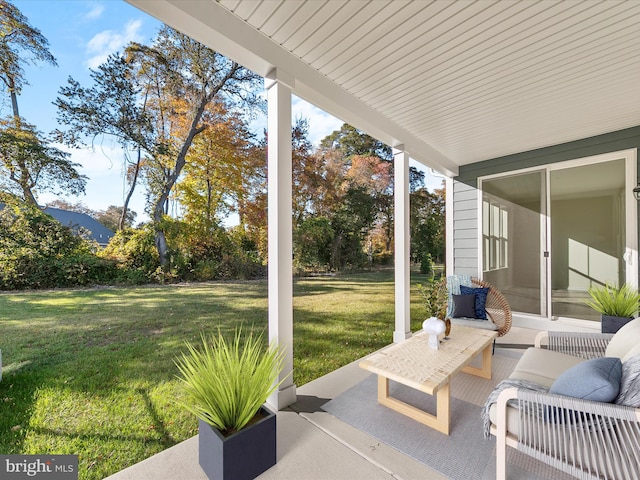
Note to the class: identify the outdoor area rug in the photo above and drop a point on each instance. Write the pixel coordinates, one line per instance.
(463, 455)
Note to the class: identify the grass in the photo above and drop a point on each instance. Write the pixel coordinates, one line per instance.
(92, 373)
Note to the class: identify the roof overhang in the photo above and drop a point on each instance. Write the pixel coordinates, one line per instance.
(450, 82)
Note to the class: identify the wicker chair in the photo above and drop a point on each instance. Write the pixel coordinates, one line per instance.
(586, 439)
(498, 309)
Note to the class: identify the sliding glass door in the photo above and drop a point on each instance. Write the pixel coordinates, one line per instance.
(513, 237)
(550, 234)
(588, 234)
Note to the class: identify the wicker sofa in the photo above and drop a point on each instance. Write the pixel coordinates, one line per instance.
(582, 437)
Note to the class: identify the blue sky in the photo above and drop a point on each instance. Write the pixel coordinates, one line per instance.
(81, 34)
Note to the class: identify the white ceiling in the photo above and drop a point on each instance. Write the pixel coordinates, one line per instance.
(455, 82)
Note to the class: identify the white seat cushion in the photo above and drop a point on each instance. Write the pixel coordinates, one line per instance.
(624, 340)
(543, 366)
(474, 323)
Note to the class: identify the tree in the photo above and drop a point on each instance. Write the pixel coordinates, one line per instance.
(252, 197)
(72, 207)
(351, 223)
(352, 141)
(312, 242)
(217, 164)
(184, 78)
(112, 217)
(427, 212)
(356, 162)
(116, 106)
(28, 161)
(306, 173)
(19, 41)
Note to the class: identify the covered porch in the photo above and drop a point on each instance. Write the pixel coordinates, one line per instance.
(473, 90)
(313, 444)
(469, 89)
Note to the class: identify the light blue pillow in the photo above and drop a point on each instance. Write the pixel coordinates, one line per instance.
(597, 379)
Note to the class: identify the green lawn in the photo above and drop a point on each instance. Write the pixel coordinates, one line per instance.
(91, 372)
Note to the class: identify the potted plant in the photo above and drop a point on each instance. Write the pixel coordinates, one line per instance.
(434, 299)
(226, 386)
(616, 305)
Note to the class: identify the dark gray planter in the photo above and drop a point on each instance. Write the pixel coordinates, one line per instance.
(611, 324)
(241, 456)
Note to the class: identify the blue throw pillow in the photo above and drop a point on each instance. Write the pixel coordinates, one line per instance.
(597, 379)
(464, 306)
(481, 300)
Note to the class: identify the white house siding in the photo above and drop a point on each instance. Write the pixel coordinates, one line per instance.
(465, 229)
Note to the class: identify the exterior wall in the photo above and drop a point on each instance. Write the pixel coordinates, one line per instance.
(465, 230)
(464, 216)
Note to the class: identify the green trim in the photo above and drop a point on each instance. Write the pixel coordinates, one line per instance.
(587, 147)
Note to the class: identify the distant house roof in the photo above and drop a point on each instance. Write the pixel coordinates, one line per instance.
(75, 220)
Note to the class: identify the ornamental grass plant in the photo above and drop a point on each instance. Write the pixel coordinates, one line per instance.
(613, 301)
(226, 383)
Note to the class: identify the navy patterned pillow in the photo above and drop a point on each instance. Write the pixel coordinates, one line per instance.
(481, 299)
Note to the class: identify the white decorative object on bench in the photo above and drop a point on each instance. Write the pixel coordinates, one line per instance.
(577, 434)
(434, 327)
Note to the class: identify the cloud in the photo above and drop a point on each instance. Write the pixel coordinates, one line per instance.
(102, 160)
(94, 13)
(321, 123)
(109, 41)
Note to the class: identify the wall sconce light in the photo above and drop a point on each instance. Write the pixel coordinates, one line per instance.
(636, 192)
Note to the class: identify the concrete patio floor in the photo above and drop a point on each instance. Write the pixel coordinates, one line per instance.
(312, 444)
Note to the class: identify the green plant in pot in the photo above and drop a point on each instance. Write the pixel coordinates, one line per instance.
(434, 299)
(616, 305)
(226, 386)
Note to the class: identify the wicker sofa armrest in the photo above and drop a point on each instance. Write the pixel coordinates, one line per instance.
(583, 438)
(578, 344)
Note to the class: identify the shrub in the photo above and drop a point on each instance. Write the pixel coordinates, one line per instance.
(36, 251)
(426, 264)
(134, 249)
(312, 241)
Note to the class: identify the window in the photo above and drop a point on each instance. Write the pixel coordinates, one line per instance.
(495, 234)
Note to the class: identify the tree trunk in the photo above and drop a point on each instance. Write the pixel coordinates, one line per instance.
(134, 181)
(172, 177)
(335, 252)
(14, 101)
(23, 181)
(161, 246)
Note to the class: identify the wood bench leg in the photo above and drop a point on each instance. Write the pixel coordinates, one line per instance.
(485, 370)
(440, 421)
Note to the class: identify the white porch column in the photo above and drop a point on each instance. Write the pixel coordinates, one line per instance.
(402, 244)
(280, 250)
